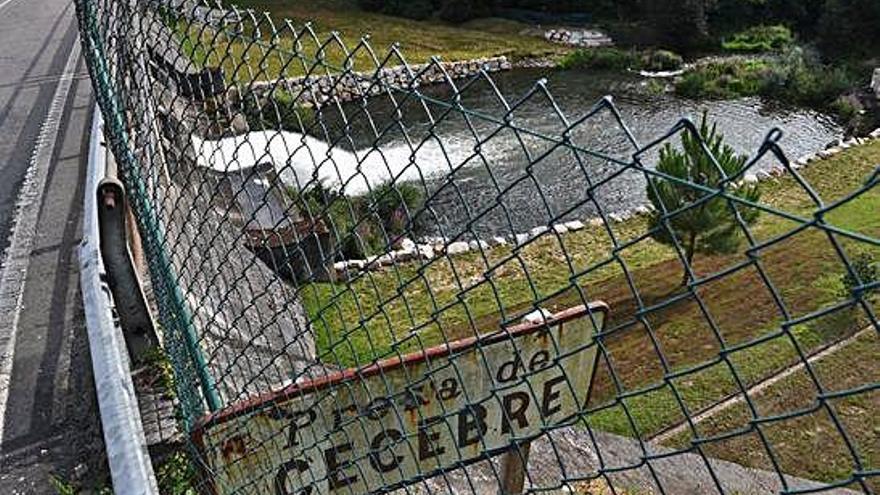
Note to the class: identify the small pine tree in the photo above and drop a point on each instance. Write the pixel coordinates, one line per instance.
(712, 226)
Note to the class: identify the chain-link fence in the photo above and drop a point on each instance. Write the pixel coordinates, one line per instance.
(364, 283)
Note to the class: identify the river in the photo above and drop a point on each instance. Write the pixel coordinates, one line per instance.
(485, 178)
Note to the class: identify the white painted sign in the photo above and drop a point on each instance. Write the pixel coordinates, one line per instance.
(385, 425)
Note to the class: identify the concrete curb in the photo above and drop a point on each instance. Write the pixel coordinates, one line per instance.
(125, 443)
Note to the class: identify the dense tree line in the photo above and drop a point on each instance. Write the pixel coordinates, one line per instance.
(840, 26)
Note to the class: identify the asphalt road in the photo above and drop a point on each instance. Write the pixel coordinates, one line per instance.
(49, 425)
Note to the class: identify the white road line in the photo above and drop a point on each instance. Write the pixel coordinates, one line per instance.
(15, 264)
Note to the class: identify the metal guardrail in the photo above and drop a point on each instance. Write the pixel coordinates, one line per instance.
(129, 460)
(341, 280)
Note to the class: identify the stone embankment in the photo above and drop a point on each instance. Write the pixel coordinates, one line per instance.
(319, 90)
(427, 248)
(581, 38)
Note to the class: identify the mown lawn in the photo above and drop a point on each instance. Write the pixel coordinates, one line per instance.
(795, 441)
(409, 306)
(296, 51)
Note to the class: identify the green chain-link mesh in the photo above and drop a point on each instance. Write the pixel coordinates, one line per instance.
(313, 227)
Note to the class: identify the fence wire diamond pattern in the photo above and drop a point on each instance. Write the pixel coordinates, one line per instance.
(342, 280)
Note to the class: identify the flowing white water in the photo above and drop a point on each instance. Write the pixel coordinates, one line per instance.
(486, 177)
(302, 160)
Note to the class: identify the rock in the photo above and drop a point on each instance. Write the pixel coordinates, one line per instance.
(386, 259)
(350, 265)
(405, 244)
(560, 228)
(522, 239)
(750, 178)
(575, 225)
(403, 256)
(833, 144)
(537, 231)
(762, 175)
(825, 153)
(537, 316)
(426, 252)
(595, 222)
(497, 241)
(875, 133)
(478, 245)
(615, 217)
(457, 248)
(642, 210)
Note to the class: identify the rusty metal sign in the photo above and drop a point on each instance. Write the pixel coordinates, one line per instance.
(400, 420)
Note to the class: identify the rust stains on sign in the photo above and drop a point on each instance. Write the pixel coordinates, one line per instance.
(387, 424)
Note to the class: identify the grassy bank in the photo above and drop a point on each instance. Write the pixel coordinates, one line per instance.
(813, 431)
(790, 78)
(410, 306)
(419, 40)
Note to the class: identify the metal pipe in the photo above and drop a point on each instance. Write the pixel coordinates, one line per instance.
(130, 467)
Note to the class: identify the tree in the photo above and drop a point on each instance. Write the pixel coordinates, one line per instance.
(458, 11)
(707, 226)
(679, 24)
(849, 28)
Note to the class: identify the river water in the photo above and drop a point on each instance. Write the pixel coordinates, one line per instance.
(486, 178)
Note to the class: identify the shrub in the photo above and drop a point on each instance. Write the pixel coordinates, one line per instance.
(601, 58)
(849, 110)
(728, 79)
(278, 111)
(662, 60)
(758, 39)
(866, 269)
(802, 80)
(364, 225)
(396, 206)
(795, 79)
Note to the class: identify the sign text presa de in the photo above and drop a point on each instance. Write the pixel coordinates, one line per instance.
(364, 430)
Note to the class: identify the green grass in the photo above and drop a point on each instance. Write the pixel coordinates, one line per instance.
(64, 486)
(375, 316)
(344, 312)
(610, 58)
(791, 78)
(419, 40)
(758, 39)
(790, 439)
(176, 475)
(725, 79)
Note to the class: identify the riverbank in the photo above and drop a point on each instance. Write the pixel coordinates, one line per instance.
(419, 41)
(790, 76)
(467, 292)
